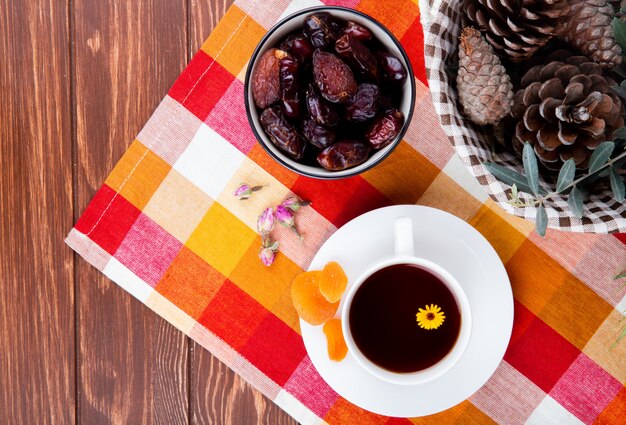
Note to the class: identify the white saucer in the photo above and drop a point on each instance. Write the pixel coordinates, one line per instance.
(456, 246)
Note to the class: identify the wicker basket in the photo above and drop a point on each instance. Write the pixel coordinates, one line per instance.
(441, 20)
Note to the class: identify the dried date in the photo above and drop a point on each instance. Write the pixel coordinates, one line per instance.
(385, 128)
(265, 80)
(385, 101)
(298, 46)
(392, 69)
(358, 56)
(364, 104)
(290, 89)
(325, 94)
(321, 110)
(343, 155)
(333, 77)
(321, 29)
(282, 134)
(357, 31)
(318, 135)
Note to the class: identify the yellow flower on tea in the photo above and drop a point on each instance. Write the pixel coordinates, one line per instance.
(431, 317)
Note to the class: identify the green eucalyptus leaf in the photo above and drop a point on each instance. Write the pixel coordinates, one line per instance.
(604, 173)
(622, 275)
(566, 175)
(620, 134)
(531, 168)
(600, 156)
(584, 193)
(619, 32)
(575, 202)
(617, 185)
(541, 223)
(508, 176)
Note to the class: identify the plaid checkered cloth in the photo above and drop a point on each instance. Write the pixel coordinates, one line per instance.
(166, 227)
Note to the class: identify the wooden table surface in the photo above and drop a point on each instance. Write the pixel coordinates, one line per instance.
(78, 79)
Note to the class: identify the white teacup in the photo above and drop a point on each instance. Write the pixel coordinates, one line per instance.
(405, 254)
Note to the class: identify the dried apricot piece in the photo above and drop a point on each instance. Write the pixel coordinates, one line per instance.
(333, 282)
(337, 348)
(309, 303)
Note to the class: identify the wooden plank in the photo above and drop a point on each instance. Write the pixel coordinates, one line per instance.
(218, 395)
(132, 364)
(204, 16)
(36, 268)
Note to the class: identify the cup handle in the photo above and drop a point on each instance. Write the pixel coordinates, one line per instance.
(404, 236)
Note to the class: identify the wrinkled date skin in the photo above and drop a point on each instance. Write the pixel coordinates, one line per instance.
(299, 47)
(364, 104)
(358, 56)
(329, 93)
(319, 136)
(357, 31)
(343, 155)
(321, 29)
(333, 77)
(385, 101)
(282, 133)
(392, 69)
(265, 80)
(320, 109)
(290, 87)
(385, 128)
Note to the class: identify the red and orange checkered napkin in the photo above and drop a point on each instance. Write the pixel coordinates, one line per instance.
(166, 227)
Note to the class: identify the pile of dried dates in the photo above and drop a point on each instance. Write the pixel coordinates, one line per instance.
(329, 95)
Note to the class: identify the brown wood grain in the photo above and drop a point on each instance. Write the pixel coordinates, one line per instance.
(218, 395)
(132, 364)
(203, 17)
(37, 356)
(79, 79)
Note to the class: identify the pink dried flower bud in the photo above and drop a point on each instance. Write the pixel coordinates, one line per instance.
(285, 216)
(267, 252)
(267, 256)
(294, 203)
(265, 223)
(244, 191)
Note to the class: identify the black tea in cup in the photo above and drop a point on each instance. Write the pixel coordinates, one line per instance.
(383, 322)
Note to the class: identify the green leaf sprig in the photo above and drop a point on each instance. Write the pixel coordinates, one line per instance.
(606, 160)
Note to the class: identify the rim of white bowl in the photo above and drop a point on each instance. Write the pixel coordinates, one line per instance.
(319, 172)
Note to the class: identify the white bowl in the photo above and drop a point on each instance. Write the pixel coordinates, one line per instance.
(294, 22)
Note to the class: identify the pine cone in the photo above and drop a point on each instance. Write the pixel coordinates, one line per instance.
(565, 110)
(517, 28)
(589, 28)
(485, 89)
